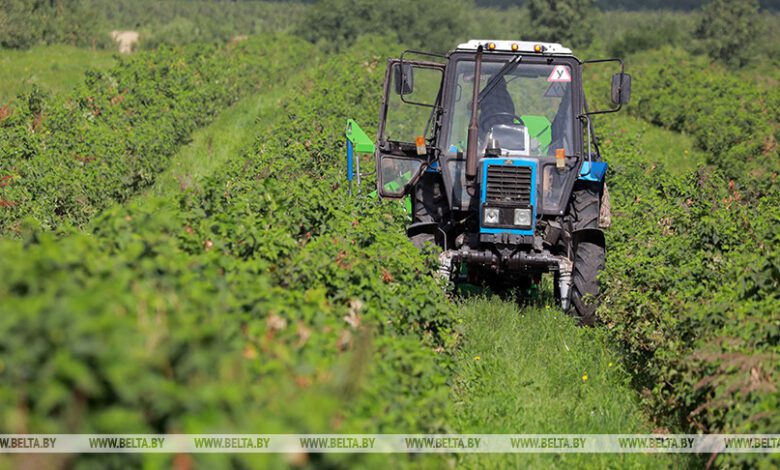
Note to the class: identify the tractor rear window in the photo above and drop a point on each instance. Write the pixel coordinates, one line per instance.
(528, 111)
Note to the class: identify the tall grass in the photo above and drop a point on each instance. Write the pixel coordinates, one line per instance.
(533, 371)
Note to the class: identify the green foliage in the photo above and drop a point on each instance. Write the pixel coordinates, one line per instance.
(563, 21)
(693, 279)
(641, 5)
(730, 116)
(727, 27)
(67, 159)
(424, 23)
(494, 23)
(266, 284)
(693, 270)
(625, 33)
(265, 299)
(25, 23)
(417, 24)
(179, 22)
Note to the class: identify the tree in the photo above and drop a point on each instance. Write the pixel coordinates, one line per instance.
(563, 21)
(423, 23)
(25, 23)
(728, 29)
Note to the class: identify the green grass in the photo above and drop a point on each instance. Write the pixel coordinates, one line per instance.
(56, 68)
(533, 371)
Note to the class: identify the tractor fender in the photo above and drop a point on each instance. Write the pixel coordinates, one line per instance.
(420, 233)
(593, 171)
(593, 235)
(421, 227)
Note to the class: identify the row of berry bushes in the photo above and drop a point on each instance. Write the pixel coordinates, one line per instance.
(692, 279)
(265, 300)
(733, 116)
(66, 158)
(693, 270)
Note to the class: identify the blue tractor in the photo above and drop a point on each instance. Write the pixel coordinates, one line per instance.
(493, 145)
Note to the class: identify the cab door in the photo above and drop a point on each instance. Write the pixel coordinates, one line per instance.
(408, 122)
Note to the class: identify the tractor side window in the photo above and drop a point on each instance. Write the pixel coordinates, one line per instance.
(408, 114)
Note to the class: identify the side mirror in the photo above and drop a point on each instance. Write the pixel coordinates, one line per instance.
(621, 88)
(403, 79)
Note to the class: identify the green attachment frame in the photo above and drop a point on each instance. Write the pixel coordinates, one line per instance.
(358, 137)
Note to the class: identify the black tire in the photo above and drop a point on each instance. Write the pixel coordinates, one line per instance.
(430, 200)
(428, 206)
(589, 252)
(584, 208)
(589, 259)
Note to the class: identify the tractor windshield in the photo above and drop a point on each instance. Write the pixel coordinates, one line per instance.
(528, 111)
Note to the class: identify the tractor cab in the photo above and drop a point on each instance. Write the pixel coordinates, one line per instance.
(492, 143)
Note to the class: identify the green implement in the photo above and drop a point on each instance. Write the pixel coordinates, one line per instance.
(361, 142)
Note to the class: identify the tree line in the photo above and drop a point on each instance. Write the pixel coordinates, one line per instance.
(719, 28)
(632, 5)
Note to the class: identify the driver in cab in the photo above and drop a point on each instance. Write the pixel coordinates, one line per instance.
(496, 108)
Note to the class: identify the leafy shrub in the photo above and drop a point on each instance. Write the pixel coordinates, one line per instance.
(180, 22)
(692, 277)
(726, 26)
(69, 158)
(693, 269)
(628, 33)
(268, 299)
(731, 117)
(564, 21)
(25, 23)
(88, 23)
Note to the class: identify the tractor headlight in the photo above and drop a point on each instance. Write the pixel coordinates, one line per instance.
(491, 215)
(523, 217)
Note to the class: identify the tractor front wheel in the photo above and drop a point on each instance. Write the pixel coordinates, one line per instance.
(589, 259)
(588, 251)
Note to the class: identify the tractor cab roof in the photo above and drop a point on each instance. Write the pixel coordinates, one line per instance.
(496, 45)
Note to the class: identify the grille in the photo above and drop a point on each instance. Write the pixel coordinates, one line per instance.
(508, 184)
